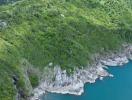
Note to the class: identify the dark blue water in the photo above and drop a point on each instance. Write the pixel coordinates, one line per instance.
(117, 88)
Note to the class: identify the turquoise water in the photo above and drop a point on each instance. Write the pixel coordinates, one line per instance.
(117, 88)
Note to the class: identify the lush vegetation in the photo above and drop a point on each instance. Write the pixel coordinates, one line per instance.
(62, 32)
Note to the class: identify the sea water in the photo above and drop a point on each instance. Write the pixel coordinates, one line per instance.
(117, 88)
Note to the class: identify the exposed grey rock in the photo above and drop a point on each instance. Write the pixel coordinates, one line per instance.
(3, 24)
(74, 84)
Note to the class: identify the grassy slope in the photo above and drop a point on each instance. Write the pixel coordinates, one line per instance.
(64, 32)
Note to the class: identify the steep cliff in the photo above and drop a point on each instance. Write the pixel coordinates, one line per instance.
(35, 34)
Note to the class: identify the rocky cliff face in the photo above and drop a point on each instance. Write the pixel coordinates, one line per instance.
(59, 32)
(74, 84)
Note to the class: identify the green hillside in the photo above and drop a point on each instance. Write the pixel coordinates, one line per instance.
(34, 33)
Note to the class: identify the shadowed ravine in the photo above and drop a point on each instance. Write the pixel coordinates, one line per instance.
(117, 88)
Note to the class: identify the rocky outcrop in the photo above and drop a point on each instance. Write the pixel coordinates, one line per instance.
(3, 24)
(74, 84)
(71, 84)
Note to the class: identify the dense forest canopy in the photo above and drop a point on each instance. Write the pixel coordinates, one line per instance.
(62, 32)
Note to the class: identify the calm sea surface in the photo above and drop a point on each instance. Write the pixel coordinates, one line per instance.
(117, 88)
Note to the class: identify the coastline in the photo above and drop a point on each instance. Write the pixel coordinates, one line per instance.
(74, 84)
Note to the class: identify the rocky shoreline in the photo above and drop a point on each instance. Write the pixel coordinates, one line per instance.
(64, 84)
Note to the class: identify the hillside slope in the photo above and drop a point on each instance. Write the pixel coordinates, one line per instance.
(37, 33)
